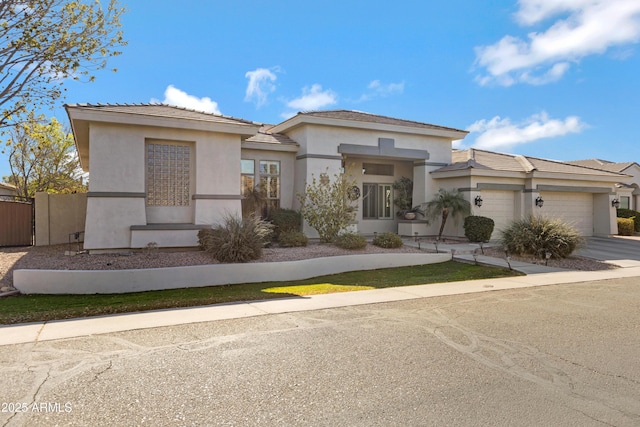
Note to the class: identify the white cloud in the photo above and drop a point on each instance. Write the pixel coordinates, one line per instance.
(501, 134)
(179, 98)
(260, 85)
(313, 98)
(587, 27)
(376, 88)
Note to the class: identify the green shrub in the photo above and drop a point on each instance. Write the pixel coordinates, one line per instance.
(625, 226)
(629, 213)
(285, 220)
(351, 241)
(387, 240)
(478, 228)
(326, 204)
(537, 235)
(292, 238)
(236, 240)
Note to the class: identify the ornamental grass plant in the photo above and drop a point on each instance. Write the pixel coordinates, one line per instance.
(236, 239)
(539, 235)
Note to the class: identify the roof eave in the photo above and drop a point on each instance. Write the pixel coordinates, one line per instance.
(301, 119)
(91, 115)
(80, 130)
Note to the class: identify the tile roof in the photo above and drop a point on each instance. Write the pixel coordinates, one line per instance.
(164, 111)
(373, 118)
(602, 164)
(8, 186)
(266, 137)
(480, 159)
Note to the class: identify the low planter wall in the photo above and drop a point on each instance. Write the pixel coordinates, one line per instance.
(138, 280)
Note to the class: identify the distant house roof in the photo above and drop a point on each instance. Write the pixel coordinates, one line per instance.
(7, 186)
(360, 120)
(481, 159)
(603, 164)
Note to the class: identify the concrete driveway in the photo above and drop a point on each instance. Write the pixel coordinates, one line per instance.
(621, 250)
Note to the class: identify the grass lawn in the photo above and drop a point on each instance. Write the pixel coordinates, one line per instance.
(32, 308)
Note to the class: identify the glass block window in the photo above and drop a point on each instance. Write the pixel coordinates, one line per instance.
(168, 174)
(248, 181)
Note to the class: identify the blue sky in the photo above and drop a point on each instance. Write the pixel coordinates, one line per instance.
(554, 79)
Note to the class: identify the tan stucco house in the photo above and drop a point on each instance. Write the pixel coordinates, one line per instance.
(628, 192)
(7, 191)
(159, 173)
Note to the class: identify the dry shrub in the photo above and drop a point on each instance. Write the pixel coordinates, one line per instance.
(537, 235)
(236, 240)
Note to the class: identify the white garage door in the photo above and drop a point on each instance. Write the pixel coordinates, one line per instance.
(500, 207)
(575, 208)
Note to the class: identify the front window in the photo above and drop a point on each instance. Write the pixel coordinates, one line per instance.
(625, 202)
(270, 183)
(168, 174)
(377, 201)
(248, 177)
(377, 169)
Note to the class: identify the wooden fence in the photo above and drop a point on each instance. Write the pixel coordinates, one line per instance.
(16, 223)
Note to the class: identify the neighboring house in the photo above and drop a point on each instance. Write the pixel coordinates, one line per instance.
(160, 173)
(628, 192)
(7, 191)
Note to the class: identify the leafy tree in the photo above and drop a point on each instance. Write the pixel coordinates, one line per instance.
(447, 203)
(44, 42)
(42, 157)
(326, 205)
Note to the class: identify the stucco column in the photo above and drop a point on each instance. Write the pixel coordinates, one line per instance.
(604, 215)
(424, 186)
(529, 203)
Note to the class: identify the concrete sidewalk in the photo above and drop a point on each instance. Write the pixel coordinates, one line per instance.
(61, 329)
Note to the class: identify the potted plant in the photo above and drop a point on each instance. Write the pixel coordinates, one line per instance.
(403, 192)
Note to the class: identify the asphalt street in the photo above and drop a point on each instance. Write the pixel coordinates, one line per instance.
(561, 355)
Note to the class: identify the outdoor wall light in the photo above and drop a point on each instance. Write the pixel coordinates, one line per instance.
(539, 202)
(478, 201)
(615, 203)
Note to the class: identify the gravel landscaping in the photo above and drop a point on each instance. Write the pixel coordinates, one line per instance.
(570, 263)
(54, 258)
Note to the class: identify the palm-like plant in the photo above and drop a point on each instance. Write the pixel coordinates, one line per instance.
(447, 203)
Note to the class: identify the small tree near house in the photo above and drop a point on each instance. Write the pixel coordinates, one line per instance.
(327, 205)
(445, 204)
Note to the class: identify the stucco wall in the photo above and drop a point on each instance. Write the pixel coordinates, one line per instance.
(58, 215)
(117, 187)
(120, 281)
(319, 150)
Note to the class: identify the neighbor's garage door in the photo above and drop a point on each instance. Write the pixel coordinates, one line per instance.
(575, 208)
(500, 207)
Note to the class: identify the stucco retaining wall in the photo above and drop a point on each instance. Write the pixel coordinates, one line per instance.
(121, 281)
